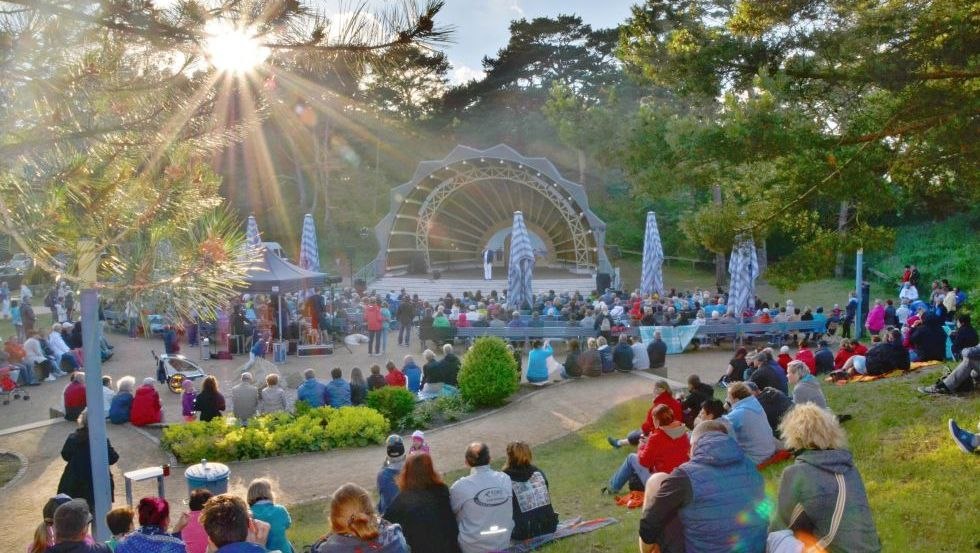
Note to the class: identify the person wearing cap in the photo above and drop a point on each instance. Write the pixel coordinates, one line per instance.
(71, 524)
(481, 502)
(146, 408)
(394, 459)
(76, 480)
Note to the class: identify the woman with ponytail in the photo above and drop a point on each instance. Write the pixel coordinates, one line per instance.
(355, 526)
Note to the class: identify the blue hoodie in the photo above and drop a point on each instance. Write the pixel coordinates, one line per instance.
(413, 377)
(311, 391)
(338, 393)
(751, 429)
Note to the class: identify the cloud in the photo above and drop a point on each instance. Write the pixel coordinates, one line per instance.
(463, 73)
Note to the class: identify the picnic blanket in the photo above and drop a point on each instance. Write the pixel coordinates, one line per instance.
(897, 372)
(565, 529)
(632, 500)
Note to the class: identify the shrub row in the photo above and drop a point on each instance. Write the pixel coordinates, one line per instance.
(309, 430)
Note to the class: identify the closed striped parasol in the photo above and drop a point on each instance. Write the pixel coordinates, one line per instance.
(252, 237)
(652, 277)
(309, 255)
(743, 266)
(521, 265)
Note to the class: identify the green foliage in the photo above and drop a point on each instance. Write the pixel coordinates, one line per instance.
(488, 375)
(309, 430)
(394, 403)
(438, 411)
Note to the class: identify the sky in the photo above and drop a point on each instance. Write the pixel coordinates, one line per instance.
(482, 25)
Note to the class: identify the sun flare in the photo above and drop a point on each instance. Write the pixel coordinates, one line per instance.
(232, 49)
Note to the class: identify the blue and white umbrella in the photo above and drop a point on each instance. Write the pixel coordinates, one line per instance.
(252, 237)
(521, 265)
(309, 256)
(652, 277)
(743, 266)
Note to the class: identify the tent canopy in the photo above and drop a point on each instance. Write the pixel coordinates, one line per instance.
(273, 271)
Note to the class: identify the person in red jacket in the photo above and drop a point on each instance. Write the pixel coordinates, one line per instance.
(805, 354)
(75, 396)
(663, 450)
(663, 396)
(394, 377)
(845, 352)
(784, 357)
(146, 407)
(375, 323)
(859, 348)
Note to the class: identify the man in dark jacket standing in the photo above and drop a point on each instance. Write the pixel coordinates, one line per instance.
(688, 511)
(405, 315)
(657, 351)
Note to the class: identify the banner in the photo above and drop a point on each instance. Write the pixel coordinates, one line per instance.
(676, 337)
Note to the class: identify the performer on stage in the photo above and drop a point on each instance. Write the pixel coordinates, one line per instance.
(487, 264)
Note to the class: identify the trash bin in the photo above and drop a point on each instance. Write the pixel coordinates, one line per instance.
(211, 476)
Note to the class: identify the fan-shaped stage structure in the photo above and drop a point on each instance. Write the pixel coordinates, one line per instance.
(453, 209)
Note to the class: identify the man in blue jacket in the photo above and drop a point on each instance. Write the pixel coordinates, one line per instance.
(714, 503)
(337, 392)
(312, 391)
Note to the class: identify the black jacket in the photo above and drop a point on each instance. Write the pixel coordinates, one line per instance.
(357, 394)
(209, 405)
(405, 313)
(533, 513)
(623, 357)
(76, 480)
(78, 547)
(775, 404)
(964, 337)
(657, 352)
(824, 359)
(929, 339)
(449, 367)
(427, 520)
(885, 358)
(572, 367)
(376, 381)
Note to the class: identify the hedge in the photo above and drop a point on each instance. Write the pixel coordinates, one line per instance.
(309, 430)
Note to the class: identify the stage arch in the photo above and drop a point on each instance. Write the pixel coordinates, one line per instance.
(453, 208)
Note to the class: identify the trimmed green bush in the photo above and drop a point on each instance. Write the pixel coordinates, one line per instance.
(394, 403)
(488, 375)
(317, 429)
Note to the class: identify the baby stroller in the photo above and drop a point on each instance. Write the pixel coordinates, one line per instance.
(175, 369)
(8, 385)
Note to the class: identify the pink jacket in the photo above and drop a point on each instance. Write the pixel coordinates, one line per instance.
(876, 319)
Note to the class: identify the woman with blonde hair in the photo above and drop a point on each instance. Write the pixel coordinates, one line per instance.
(356, 527)
(533, 514)
(588, 360)
(262, 503)
(822, 499)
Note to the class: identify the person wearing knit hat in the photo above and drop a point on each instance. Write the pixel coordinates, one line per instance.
(395, 458)
(419, 444)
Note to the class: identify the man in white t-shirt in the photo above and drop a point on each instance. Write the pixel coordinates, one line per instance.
(482, 504)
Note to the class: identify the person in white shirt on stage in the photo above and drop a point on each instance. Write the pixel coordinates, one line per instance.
(487, 264)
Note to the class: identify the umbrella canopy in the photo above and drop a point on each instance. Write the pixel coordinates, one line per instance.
(252, 238)
(521, 265)
(743, 266)
(651, 277)
(309, 255)
(272, 271)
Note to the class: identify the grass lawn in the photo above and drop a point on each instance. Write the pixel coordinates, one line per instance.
(9, 465)
(922, 488)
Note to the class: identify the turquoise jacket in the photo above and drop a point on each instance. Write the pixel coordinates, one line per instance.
(537, 364)
(278, 518)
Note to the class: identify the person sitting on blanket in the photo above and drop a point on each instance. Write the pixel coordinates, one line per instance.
(749, 423)
(887, 356)
(662, 396)
(662, 450)
(962, 378)
(708, 503)
(822, 499)
(533, 514)
(823, 358)
(844, 352)
(806, 389)
(967, 441)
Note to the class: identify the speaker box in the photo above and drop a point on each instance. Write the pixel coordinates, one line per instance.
(311, 351)
(603, 281)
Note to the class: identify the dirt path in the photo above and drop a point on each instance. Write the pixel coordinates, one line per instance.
(540, 417)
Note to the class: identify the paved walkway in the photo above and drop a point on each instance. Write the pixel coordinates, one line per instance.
(545, 415)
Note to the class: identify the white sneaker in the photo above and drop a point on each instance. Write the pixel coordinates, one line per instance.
(50, 378)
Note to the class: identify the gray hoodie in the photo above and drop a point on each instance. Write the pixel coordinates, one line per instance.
(811, 486)
(389, 540)
(808, 390)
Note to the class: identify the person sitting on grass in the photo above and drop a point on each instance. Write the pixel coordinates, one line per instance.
(153, 535)
(422, 508)
(822, 499)
(805, 354)
(887, 356)
(806, 389)
(146, 407)
(533, 514)
(605, 354)
(358, 387)
(962, 378)
(823, 358)
(737, 367)
(657, 351)
(231, 528)
(641, 359)
(768, 373)
(262, 504)
(662, 396)
(662, 450)
(774, 403)
(481, 502)
(189, 523)
(571, 367)
(708, 503)
(697, 393)
(713, 409)
(356, 527)
(589, 359)
(784, 357)
(749, 424)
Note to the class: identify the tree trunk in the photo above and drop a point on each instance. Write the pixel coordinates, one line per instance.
(581, 165)
(719, 257)
(763, 257)
(841, 227)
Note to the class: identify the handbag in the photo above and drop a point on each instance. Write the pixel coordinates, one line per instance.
(785, 541)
